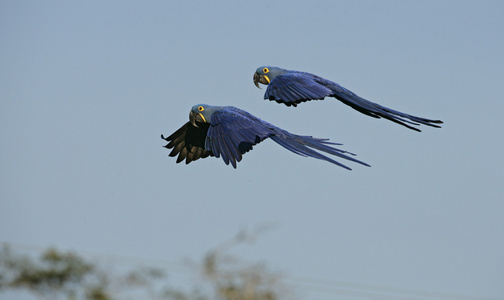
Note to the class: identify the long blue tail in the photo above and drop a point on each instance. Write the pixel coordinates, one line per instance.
(305, 145)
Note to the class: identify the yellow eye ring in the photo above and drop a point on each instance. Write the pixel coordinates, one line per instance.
(265, 70)
(201, 108)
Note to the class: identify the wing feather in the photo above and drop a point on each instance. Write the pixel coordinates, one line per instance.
(297, 87)
(233, 132)
(188, 142)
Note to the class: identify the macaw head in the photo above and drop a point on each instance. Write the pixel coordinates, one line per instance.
(265, 74)
(201, 113)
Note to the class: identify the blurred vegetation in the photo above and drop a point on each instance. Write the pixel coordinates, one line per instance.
(66, 275)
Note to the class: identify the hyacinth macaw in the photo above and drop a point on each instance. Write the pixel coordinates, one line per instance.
(294, 87)
(229, 132)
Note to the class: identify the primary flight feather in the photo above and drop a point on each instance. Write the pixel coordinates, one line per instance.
(229, 132)
(294, 87)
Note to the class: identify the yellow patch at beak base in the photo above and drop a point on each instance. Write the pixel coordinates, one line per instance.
(201, 115)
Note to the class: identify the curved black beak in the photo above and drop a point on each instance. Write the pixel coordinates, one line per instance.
(260, 79)
(195, 118)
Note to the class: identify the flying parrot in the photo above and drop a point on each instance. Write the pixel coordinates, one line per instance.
(229, 132)
(294, 87)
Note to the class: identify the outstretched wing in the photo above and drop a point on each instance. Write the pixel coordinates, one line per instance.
(188, 142)
(233, 132)
(296, 87)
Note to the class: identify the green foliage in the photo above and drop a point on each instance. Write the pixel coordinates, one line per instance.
(65, 275)
(59, 275)
(232, 281)
(55, 271)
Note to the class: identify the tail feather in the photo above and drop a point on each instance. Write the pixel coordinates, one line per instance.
(377, 111)
(307, 146)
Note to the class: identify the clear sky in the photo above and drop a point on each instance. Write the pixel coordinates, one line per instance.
(87, 87)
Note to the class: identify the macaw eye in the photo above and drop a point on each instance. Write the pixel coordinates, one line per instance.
(265, 70)
(201, 108)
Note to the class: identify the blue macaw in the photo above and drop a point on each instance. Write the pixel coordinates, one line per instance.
(294, 87)
(229, 132)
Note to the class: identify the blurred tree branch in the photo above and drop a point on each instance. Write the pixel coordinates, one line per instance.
(66, 275)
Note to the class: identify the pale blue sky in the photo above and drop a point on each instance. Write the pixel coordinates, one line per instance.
(87, 87)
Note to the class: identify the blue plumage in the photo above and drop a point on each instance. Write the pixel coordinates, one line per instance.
(294, 87)
(229, 132)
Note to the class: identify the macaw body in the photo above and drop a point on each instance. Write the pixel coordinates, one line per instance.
(229, 132)
(294, 87)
